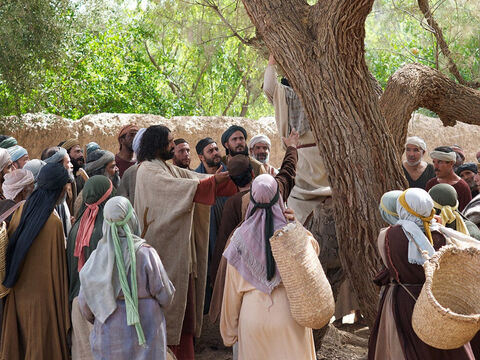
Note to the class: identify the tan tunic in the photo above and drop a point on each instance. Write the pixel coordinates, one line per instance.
(178, 230)
(311, 181)
(36, 318)
(262, 324)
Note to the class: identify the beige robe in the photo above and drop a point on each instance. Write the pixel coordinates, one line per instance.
(311, 182)
(262, 324)
(178, 230)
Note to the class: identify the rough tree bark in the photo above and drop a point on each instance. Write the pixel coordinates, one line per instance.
(321, 49)
(414, 86)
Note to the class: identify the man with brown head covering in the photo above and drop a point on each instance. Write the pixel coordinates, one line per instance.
(125, 156)
(75, 152)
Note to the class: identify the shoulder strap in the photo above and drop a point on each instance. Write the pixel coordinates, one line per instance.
(10, 211)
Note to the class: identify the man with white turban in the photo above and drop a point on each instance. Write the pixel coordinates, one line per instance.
(444, 159)
(5, 167)
(16, 187)
(260, 146)
(417, 171)
(19, 156)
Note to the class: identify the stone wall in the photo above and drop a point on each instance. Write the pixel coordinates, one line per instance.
(37, 131)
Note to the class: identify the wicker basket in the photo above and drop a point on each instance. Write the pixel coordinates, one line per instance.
(447, 312)
(308, 290)
(3, 263)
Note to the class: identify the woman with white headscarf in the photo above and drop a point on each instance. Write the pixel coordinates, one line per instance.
(405, 244)
(255, 308)
(124, 289)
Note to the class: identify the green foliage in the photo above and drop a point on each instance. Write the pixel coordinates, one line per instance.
(76, 57)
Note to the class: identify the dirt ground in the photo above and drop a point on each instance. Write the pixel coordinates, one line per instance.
(347, 342)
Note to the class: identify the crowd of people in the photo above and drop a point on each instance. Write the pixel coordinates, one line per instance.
(120, 256)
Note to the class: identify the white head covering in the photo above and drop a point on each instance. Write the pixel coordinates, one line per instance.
(260, 138)
(421, 203)
(137, 139)
(4, 158)
(99, 277)
(444, 156)
(15, 181)
(417, 141)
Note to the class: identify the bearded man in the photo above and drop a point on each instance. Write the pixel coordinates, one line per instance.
(467, 172)
(174, 205)
(58, 155)
(234, 140)
(181, 154)
(5, 168)
(75, 152)
(126, 156)
(102, 162)
(19, 156)
(444, 159)
(417, 171)
(210, 163)
(260, 149)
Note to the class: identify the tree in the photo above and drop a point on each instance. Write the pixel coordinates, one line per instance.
(321, 49)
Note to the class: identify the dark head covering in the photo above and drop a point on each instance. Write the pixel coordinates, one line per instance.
(94, 189)
(467, 166)
(229, 132)
(240, 170)
(7, 141)
(36, 211)
(202, 144)
(180, 141)
(444, 194)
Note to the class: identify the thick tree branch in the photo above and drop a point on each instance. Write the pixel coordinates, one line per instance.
(414, 86)
(437, 31)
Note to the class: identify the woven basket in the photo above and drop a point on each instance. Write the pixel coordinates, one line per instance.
(3, 263)
(447, 312)
(308, 290)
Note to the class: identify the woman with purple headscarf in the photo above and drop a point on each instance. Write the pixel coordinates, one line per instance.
(255, 310)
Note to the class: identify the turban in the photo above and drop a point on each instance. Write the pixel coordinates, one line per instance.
(100, 162)
(458, 150)
(8, 142)
(259, 139)
(137, 139)
(70, 143)
(15, 182)
(126, 129)
(229, 132)
(4, 158)
(16, 152)
(467, 166)
(57, 157)
(444, 156)
(202, 144)
(35, 166)
(415, 140)
(91, 147)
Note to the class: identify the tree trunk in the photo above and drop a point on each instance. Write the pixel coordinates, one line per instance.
(321, 49)
(414, 86)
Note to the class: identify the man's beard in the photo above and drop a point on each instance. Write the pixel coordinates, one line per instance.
(77, 163)
(166, 154)
(242, 152)
(264, 159)
(212, 163)
(115, 179)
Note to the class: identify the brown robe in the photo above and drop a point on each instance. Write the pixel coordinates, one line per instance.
(36, 318)
(232, 216)
(412, 276)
